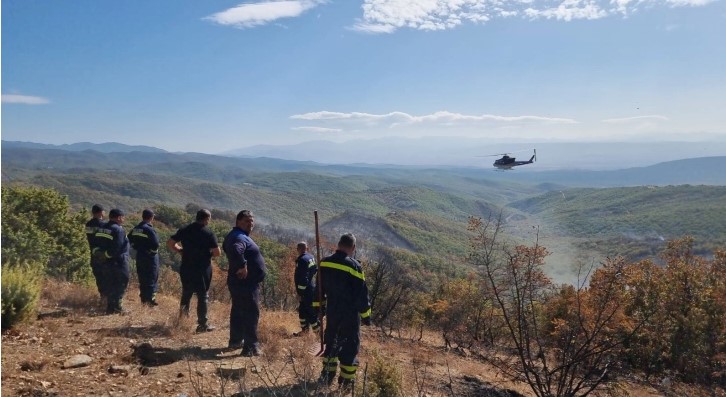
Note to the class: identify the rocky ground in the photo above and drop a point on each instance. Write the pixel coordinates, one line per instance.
(72, 349)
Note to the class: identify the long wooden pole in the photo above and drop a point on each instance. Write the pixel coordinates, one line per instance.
(319, 286)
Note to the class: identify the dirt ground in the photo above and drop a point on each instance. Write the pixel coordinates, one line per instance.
(151, 352)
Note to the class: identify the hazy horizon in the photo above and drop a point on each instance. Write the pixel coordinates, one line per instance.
(444, 152)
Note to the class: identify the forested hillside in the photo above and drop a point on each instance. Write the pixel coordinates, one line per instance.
(634, 221)
(440, 248)
(423, 207)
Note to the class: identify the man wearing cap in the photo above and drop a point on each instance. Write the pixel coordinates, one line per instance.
(92, 227)
(246, 271)
(198, 245)
(114, 247)
(144, 240)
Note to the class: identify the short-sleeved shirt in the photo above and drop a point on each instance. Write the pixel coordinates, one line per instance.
(197, 240)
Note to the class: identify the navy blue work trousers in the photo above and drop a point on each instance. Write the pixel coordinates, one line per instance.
(116, 277)
(342, 338)
(305, 311)
(97, 267)
(244, 316)
(147, 268)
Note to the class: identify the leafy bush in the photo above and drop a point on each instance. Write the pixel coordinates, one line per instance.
(383, 379)
(38, 229)
(20, 293)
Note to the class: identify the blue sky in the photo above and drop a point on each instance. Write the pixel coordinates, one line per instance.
(210, 76)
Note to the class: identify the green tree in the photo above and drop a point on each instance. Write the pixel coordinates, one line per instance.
(38, 228)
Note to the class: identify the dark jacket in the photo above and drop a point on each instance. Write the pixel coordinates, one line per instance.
(113, 242)
(344, 288)
(144, 240)
(305, 269)
(242, 252)
(92, 227)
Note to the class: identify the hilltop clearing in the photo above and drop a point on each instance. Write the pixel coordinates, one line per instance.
(149, 352)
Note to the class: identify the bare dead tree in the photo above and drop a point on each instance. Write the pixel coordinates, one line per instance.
(561, 341)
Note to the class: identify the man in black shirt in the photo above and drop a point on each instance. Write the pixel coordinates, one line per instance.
(197, 244)
(92, 227)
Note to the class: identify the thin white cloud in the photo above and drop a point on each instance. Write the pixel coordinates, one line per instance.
(395, 119)
(636, 119)
(318, 129)
(24, 99)
(390, 15)
(249, 15)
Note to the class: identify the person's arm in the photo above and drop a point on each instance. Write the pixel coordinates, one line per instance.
(214, 245)
(301, 281)
(362, 300)
(311, 270)
(173, 242)
(119, 238)
(173, 245)
(234, 248)
(153, 240)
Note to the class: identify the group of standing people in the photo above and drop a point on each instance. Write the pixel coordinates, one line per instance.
(341, 295)
(109, 246)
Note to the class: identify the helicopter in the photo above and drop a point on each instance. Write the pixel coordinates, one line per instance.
(507, 162)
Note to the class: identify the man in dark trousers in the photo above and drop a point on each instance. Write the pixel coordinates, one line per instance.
(97, 261)
(345, 296)
(305, 269)
(144, 240)
(197, 245)
(114, 248)
(246, 271)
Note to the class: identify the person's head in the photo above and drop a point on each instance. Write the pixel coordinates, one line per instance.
(117, 215)
(347, 243)
(203, 216)
(302, 247)
(245, 220)
(98, 211)
(147, 215)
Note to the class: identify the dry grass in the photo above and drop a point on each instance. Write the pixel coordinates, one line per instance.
(182, 357)
(70, 296)
(168, 282)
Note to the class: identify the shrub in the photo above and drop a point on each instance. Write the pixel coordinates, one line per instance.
(20, 293)
(38, 229)
(383, 379)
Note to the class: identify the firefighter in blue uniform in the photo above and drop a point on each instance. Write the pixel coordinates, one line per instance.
(97, 261)
(305, 269)
(114, 246)
(246, 271)
(144, 240)
(345, 298)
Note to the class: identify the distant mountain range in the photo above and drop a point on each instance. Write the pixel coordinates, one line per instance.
(628, 211)
(109, 156)
(108, 147)
(469, 152)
